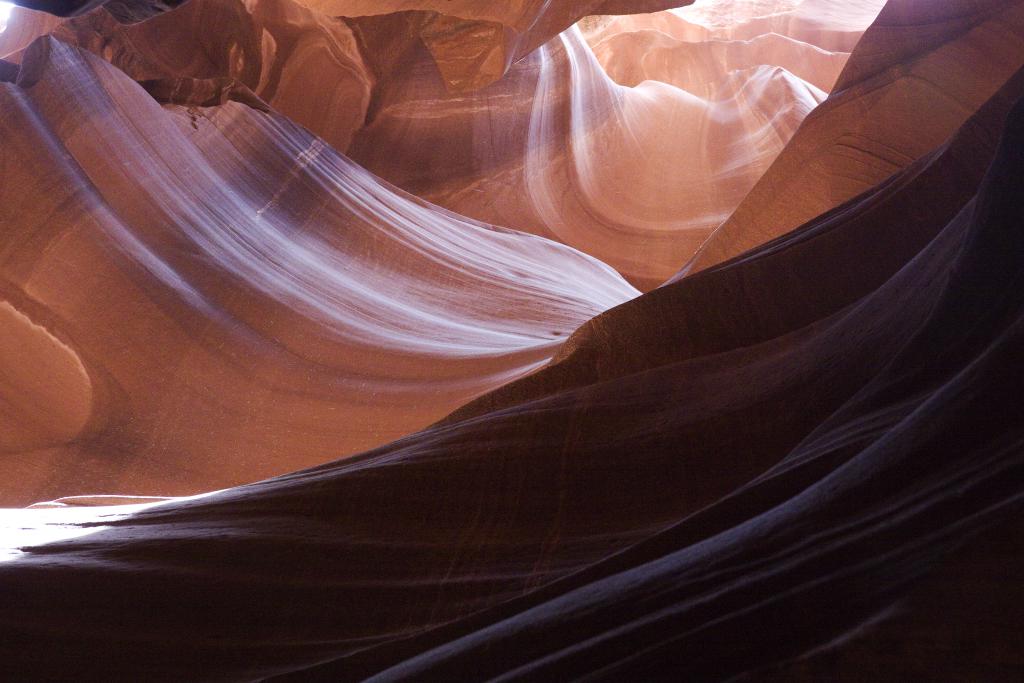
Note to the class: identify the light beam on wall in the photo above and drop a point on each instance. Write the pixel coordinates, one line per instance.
(5, 13)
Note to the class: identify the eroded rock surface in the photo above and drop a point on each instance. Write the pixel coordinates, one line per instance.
(256, 299)
(801, 460)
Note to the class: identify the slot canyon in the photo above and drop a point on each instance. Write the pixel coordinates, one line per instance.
(512, 340)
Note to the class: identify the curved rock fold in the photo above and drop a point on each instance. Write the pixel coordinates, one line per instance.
(323, 352)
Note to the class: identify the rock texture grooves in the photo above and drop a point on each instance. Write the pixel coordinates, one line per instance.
(946, 60)
(253, 301)
(553, 146)
(801, 460)
(636, 172)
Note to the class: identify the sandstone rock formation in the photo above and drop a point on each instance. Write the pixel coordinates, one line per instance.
(916, 59)
(268, 46)
(22, 27)
(253, 300)
(812, 511)
(636, 173)
(474, 43)
(800, 461)
(636, 176)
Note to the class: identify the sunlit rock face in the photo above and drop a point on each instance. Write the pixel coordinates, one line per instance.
(39, 413)
(811, 39)
(239, 238)
(253, 300)
(270, 47)
(829, 24)
(474, 43)
(598, 139)
(22, 27)
(636, 176)
(920, 71)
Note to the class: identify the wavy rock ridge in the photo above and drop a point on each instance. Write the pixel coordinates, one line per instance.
(286, 302)
(800, 459)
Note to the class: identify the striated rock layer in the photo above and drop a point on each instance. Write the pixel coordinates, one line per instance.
(252, 302)
(803, 463)
(805, 475)
(583, 160)
(474, 43)
(271, 47)
(598, 139)
(920, 71)
(636, 172)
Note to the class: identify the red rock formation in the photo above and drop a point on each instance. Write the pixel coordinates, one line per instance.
(24, 26)
(807, 481)
(474, 43)
(583, 160)
(632, 57)
(253, 300)
(916, 58)
(802, 463)
(268, 46)
(833, 25)
(566, 147)
(636, 176)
